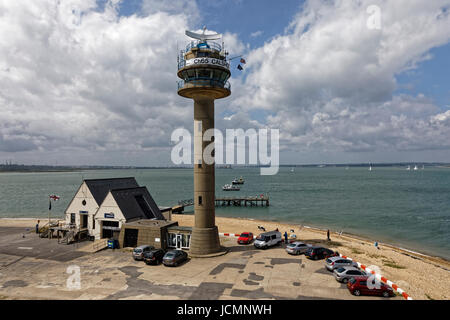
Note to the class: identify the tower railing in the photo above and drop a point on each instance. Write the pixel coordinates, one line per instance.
(206, 45)
(203, 83)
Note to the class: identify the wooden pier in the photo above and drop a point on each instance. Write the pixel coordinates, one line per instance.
(260, 201)
(243, 201)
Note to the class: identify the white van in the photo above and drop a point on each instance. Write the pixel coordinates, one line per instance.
(268, 239)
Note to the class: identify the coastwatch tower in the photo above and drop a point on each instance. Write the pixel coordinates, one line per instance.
(204, 70)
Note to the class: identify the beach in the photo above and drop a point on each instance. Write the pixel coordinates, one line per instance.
(421, 276)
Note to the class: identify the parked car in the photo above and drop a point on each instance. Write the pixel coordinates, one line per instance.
(138, 252)
(154, 256)
(358, 286)
(297, 247)
(268, 239)
(245, 238)
(343, 274)
(337, 262)
(174, 258)
(317, 253)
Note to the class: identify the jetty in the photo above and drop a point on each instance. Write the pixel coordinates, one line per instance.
(261, 201)
(242, 201)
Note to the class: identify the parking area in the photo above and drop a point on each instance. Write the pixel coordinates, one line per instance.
(243, 273)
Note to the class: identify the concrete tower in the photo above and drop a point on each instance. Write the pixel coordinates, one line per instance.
(204, 70)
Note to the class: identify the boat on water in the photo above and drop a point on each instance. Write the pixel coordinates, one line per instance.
(416, 168)
(229, 187)
(238, 181)
(408, 168)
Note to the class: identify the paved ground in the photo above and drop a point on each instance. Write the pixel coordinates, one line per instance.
(34, 268)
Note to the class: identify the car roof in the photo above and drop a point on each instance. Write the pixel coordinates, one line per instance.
(270, 233)
(352, 268)
(143, 246)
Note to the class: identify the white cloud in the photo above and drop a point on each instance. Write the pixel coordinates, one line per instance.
(329, 82)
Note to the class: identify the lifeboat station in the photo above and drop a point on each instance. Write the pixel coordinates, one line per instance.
(119, 209)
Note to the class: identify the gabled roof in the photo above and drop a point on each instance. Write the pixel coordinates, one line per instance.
(136, 203)
(100, 187)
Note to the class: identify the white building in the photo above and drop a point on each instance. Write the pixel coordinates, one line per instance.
(102, 205)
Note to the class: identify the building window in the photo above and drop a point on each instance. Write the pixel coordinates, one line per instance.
(93, 222)
(83, 203)
(200, 200)
(72, 218)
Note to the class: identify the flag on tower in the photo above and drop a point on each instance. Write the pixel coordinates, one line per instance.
(240, 67)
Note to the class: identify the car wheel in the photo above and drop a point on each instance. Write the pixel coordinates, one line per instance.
(316, 258)
(357, 293)
(386, 294)
(345, 280)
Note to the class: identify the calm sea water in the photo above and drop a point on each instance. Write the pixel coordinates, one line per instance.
(406, 208)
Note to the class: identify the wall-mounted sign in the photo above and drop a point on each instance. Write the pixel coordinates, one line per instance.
(210, 61)
(109, 215)
(157, 240)
(84, 212)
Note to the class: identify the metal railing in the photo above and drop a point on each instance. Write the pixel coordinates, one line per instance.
(206, 45)
(203, 83)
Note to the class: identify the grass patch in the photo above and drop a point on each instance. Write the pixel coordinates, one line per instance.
(392, 264)
(374, 256)
(429, 298)
(356, 251)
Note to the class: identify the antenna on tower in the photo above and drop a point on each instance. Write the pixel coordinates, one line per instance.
(202, 36)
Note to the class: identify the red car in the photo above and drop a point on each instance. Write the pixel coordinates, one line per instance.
(245, 238)
(358, 286)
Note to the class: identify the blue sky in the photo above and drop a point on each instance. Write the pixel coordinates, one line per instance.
(256, 22)
(336, 91)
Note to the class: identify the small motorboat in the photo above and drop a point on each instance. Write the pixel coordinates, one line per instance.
(238, 181)
(229, 187)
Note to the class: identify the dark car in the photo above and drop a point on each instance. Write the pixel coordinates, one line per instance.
(138, 252)
(174, 258)
(245, 238)
(154, 256)
(358, 286)
(317, 253)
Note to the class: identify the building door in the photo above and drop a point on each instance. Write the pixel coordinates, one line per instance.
(84, 221)
(130, 238)
(179, 241)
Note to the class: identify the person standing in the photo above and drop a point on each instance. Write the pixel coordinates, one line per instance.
(37, 227)
(285, 237)
(328, 235)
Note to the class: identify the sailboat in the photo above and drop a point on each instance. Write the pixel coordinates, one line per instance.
(292, 170)
(370, 167)
(408, 168)
(416, 168)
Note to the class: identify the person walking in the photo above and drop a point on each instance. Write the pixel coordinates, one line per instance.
(328, 235)
(285, 237)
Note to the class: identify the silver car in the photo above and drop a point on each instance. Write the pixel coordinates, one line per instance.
(337, 262)
(138, 252)
(344, 274)
(297, 247)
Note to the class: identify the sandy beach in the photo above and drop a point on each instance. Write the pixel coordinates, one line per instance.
(420, 276)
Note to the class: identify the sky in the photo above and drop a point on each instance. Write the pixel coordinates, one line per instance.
(85, 82)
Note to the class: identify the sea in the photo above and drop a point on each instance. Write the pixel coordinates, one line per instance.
(409, 209)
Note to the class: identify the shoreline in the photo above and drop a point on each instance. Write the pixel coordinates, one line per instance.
(422, 277)
(352, 236)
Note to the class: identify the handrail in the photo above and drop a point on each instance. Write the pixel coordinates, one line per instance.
(204, 83)
(205, 45)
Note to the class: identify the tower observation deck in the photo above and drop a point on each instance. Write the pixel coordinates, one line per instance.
(204, 72)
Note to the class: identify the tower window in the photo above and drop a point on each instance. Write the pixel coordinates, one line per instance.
(200, 200)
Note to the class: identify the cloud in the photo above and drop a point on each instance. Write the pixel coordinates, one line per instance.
(85, 85)
(75, 78)
(329, 82)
